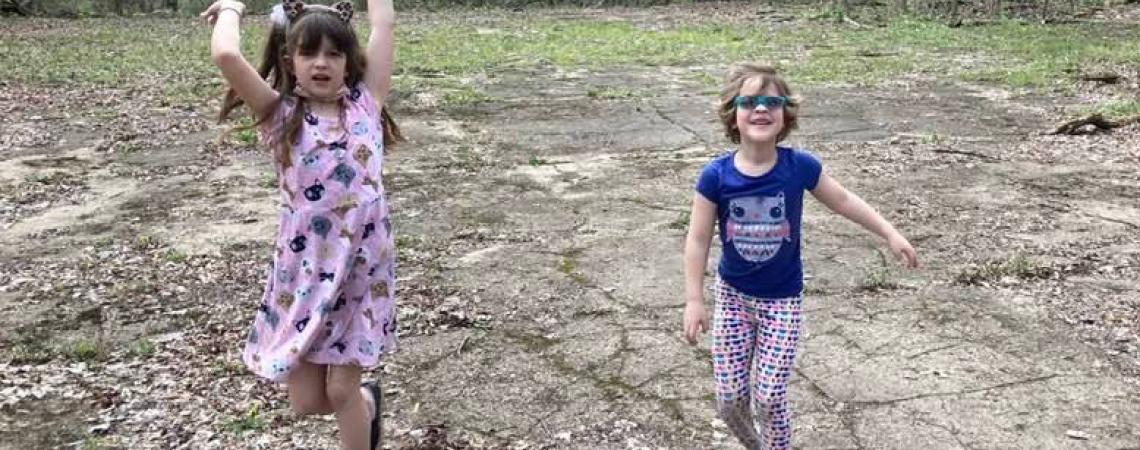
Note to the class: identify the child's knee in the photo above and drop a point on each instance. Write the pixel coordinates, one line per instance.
(770, 399)
(309, 404)
(341, 394)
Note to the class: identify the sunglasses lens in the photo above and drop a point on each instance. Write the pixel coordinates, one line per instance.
(751, 101)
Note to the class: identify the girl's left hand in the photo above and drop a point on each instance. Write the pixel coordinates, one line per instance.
(902, 250)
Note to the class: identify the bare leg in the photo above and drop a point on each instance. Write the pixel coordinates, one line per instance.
(306, 386)
(351, 405)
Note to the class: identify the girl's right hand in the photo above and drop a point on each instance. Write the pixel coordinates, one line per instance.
(210, 15)
(696, 321)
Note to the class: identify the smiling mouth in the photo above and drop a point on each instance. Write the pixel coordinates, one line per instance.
(760, 121)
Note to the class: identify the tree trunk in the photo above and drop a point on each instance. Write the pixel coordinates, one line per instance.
(21, 7)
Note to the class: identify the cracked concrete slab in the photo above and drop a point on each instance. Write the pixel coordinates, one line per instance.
(588, 303)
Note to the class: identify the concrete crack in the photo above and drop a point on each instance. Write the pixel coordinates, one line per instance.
(955, 393)
(950, 429)
(929, 351)
(682, 126)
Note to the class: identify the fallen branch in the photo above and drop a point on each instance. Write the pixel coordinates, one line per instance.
(459, 349)
(1101, 77)
(852, 22)
(1097, 123)
(966, 153)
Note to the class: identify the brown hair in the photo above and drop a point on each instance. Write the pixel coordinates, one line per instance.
(734, 82)
(305, 34)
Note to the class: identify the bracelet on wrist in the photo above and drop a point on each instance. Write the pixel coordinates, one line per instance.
(231, 8)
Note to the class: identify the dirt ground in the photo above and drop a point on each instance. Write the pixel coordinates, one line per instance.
(540, 273)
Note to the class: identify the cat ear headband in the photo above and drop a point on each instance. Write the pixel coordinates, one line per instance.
(289, 10)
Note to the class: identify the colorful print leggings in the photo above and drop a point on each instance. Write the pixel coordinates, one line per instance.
(754, 349)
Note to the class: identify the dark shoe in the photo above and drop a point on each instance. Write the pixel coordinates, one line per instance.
(377, 407)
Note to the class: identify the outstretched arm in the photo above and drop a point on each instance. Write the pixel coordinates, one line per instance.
(847, 204)
(225, 51)
(380, 52)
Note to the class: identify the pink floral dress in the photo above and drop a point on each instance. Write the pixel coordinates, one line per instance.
(329, 297)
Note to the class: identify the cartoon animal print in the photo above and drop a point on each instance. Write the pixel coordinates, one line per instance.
(758, 226)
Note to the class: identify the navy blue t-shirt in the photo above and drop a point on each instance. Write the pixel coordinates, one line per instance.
(759, 221)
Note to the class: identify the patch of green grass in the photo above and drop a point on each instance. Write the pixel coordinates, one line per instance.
(481, 217)
(409, 247)
(1117, 109)
(464, 158)
(111, 52)
(52, 178)
(226, 367)
(98, 443)
(142, 347)
(243, 131)
(877, 279)
(406, 241)
(82, 350)
(1031, 55)
(812, 289)
(250, 421)
(126, 147)
(610, 92)
(175, 256)
(103, 242)
(31, 352)
(537, 161)
(1016, 267)
(569, 266)
(174, 54)
(704, 78)
(681, 222)
(146, 242)
(932, 138)
(464, 96)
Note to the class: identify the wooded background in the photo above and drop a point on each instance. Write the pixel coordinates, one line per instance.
(947, 9)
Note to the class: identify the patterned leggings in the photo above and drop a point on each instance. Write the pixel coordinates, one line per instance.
(754, 348)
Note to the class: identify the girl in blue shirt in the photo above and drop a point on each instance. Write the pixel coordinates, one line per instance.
(755, 193)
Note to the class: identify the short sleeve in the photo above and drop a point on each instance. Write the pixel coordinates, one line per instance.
(708, 183)
(364, 99)
(267, 131)
(808, 168)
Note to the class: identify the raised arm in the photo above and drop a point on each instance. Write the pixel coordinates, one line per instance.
(380, 52)
(225, 51)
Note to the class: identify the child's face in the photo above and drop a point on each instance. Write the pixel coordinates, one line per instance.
(320, 72)
(759, 123)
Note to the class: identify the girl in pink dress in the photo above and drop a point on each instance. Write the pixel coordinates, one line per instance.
(328, 310)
